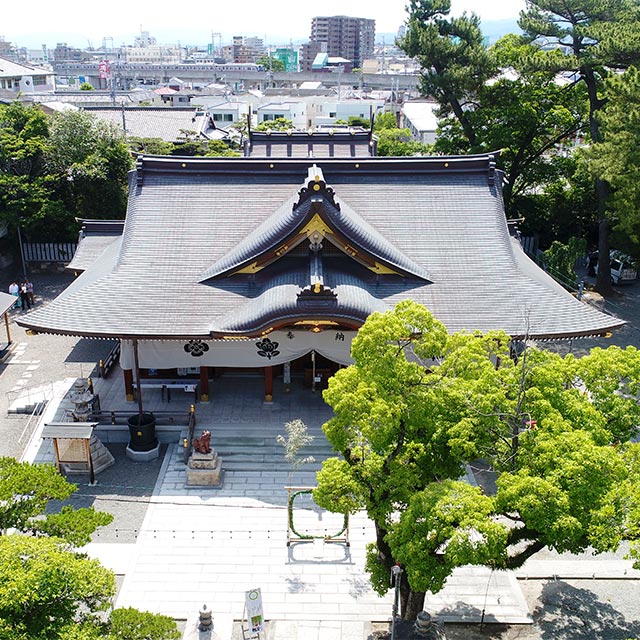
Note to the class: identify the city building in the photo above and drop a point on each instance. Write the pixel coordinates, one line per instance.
(296, 112)
(243, 50)
(350, 38)
(25, 79)
(420, 118)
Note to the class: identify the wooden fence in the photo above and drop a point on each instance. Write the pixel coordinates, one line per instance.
(60, 252)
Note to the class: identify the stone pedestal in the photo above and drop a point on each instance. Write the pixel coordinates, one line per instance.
(204, 469)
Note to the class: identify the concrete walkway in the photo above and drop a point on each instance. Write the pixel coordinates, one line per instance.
(208, 546)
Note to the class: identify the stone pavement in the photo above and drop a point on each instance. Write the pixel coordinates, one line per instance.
(200, 546)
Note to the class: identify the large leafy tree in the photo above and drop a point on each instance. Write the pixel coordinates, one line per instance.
(418, 404)
(26, 191)
(49, 590)
(525, 115)
(46, 588)
(616, 159)
(393, 141)
(26, 494)
(591, 39)
(91, 160)
(455, 63)
(490, 99)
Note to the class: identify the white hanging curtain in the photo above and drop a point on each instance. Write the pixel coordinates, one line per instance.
(276, 348)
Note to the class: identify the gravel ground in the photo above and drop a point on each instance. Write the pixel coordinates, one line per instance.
(123, 490)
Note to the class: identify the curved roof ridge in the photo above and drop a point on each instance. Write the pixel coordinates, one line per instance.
(315, 197)
(279, 301)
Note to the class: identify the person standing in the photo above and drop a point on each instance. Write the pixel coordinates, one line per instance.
(24, 296)
(14, 290)
(29, 286)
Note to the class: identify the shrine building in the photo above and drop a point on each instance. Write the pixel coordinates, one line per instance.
(271, 264)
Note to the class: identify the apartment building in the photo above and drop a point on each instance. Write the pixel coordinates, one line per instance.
(350, 38)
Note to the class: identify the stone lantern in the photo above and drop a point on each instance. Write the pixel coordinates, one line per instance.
(82, 400)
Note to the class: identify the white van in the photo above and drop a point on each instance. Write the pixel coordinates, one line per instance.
(622, 269)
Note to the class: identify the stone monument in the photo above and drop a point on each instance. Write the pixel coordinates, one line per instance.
(204, 468)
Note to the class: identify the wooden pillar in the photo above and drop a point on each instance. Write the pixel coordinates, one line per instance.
(6, 324)
(268, 384)
(128, 384)
(204, 384)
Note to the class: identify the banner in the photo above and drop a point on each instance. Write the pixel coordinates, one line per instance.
(276, 348)
(255, 615)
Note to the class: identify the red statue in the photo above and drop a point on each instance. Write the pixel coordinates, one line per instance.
(203, 443)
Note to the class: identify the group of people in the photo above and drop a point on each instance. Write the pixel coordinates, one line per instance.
(24, 293)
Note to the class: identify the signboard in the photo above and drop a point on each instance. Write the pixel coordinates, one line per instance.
(255, 614)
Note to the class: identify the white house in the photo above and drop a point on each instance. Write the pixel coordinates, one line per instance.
(326, 112)
(294, 111)
(420, 118)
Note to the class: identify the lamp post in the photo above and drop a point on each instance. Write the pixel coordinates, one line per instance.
(24, 265)
(396, 572)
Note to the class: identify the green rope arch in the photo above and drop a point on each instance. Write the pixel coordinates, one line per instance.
(307, 536)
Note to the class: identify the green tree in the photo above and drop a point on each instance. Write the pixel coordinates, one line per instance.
(393, 141)
(418, 404)
(490, 99)
(399, 142)
(220, 148)
(86, 86)
(560, 260)
(616, 159)
(278, 124)
(357, 121)
(26, 190)
(525, 115)
(150, 146)
(455, 62)
(91, 160)
(46, 588)
(26, 492)
(269, 63)
(131, 624)
(590, 38)
(49, 590)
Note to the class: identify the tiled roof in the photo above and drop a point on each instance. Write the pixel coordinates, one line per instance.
(314, 144)
(444, 214)
(95, 237)
(149, 122)
(315, 198)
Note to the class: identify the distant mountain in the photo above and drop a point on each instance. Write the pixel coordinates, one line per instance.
(495, 29)
(492, 29)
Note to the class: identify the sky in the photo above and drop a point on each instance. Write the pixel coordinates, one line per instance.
(81, 23)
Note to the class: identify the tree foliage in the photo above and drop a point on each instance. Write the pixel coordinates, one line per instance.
(25, 189)
(131, 624)
(92, 160)
(49, 590)
(590, 39)
(46, 588)
(278, 124)
(54, 169)
(454, 61)
(418, 405)
(26, 492)
(616, 159)
(271, 63)
(393, 141)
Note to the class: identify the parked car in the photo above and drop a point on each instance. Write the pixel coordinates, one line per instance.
(623, 269)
